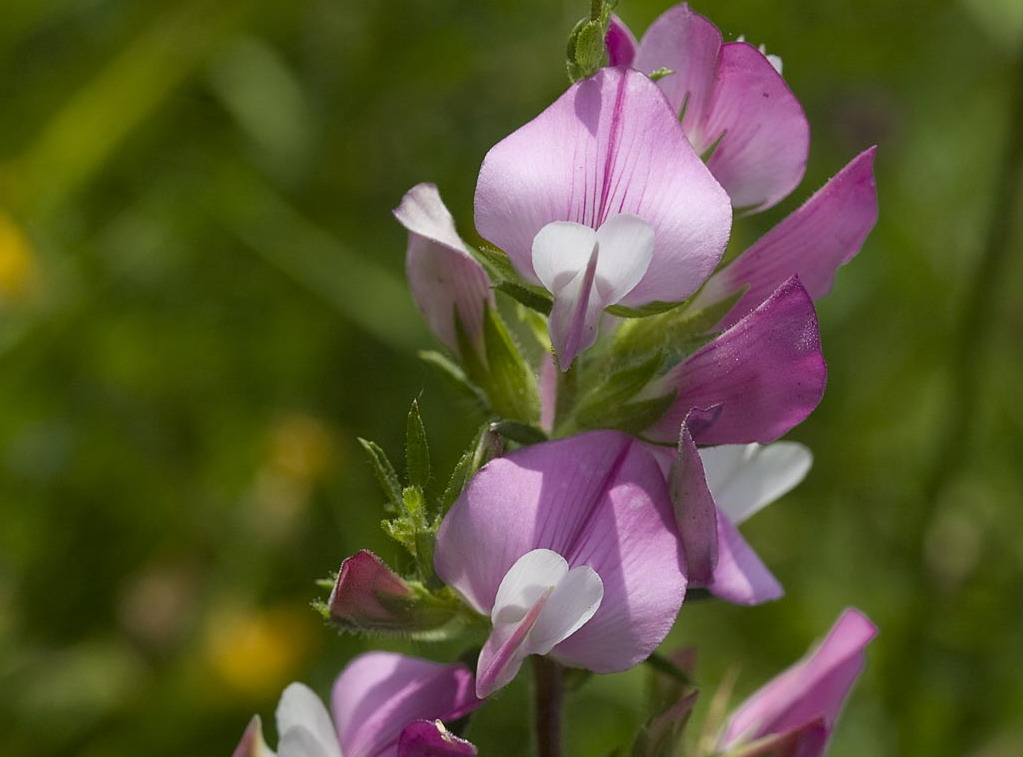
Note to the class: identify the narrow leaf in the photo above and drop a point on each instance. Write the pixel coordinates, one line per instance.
(510, 384)
(643, 311)
(384, 472)
(620, 386)
(532, 297)
(523, 433)
(417, 451)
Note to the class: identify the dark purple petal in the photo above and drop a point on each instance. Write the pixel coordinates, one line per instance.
(620, 43)
(598, 499)
(429, 738)
(695, 513)
(380, 693)
(767, 373)
(812, 690)
(812, 243)
(368, 594)
(610, 145)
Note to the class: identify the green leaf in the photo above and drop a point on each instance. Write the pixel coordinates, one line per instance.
(496, 263)
(384, 472)
(660, 73)
(467, 465)
(632, 417)
(510, 383)
(523, 433)
(457, 379)
(643, 311)
(417, 451)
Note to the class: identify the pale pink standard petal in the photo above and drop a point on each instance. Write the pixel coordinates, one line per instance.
(597, 499)
(610, 145)
(767, 373)
(380, 693)
(740, 576)
(620, 43)
(445, 279)
(824, 234)
(695, 511)
(429, 738)
(688, 45)
(744, 478)
(763, 132)
(814, 689)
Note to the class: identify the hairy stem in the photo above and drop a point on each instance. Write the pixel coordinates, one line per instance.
(548, 695)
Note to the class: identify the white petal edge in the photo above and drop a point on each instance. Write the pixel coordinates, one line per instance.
(745, 478)
(304, 725)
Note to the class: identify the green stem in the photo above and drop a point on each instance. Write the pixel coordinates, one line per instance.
(549, 696)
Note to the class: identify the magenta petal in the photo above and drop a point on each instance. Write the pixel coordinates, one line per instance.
(426, 738)
(445, 279)
(695, 513)
(610, 145)
(620, 43)
(813, 689)
(806, 741)
(767, 373)
(689, 45)
(740, 577)
(380, 693)
(766, 138)
(823, 234)
(598, 499)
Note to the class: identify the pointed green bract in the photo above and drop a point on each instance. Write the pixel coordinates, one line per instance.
(632, 418)
(417, 451)
(384, 472)
(619, 386)
(510, 382)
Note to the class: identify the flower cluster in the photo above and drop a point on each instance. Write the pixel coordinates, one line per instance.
(634, 383)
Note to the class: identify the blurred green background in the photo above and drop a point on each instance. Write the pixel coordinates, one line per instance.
(202, 306)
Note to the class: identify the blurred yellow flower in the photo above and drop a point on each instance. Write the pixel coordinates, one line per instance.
(256, 652)
(18, 265)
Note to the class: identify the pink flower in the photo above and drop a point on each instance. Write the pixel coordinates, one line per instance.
(383, 704)
(733, 102)
(570, 548)
(737, 107)
(714, 490)
(446, 281)
(795, 713)
(601, 200)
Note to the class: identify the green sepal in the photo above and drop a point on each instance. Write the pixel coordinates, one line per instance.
(457, 378)
(424, 615)
(618, 387)
(674, 333)
(632, 417)
(417, 450)
(496, 263)
(643, 311)
(533, 297)
(522, 433)
(510, 384)
(660, 73)
(384, 472)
